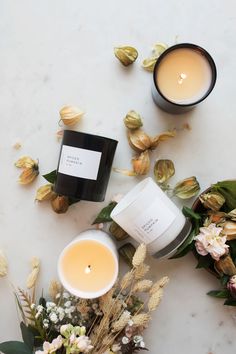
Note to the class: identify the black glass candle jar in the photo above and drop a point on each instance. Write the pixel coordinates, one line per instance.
(84, 166)
(184, 75)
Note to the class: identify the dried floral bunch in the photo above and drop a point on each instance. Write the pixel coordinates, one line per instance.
(141, 143)
(113, 323)
(213, 237)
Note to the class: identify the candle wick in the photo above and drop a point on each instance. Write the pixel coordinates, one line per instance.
(182, 76)
(88, 269)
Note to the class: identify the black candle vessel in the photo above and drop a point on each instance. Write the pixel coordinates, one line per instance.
(84, 166)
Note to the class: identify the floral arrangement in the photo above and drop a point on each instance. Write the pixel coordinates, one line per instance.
(64, 324)
(213, 237)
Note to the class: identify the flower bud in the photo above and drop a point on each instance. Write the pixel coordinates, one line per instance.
(126, 54)
(133, 120)
(45, 193)
(231, 286)
(118, 232)
(141, 164)
(163, 170)
(229, 230)
(70, 115)
(187, 188)
(225, 265)
(212, 200)
(60, 204)
(139, 140)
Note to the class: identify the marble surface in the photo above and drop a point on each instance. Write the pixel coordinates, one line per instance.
(58, 52)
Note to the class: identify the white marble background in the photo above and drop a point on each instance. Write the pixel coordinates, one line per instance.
(57, 52)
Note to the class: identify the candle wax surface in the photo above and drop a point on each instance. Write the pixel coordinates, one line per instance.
(88, 266)
(184, 76)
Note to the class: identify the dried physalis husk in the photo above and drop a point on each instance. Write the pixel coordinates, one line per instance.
(126, 54)
(163, 170)
(186, 188)
(159, 48)
(118, 232)
(225, 265)
(31, 169)
(45, 193)
(25, 162)
(215, 217)
(149, 63)
(139, 140)
(125, 172)
(162, 137)
(232, 215)
(71, 115)
(141, 163)
(229, 230)
(133, 120)
(212, 200)
(127, 252)
(60, 204)
(3, 265)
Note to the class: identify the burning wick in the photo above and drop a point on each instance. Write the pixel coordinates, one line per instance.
(182, 76)
(88, 269)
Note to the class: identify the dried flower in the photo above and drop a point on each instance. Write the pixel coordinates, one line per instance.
(229, 230)
(126, 54)
(159, 284)
(231, 286)
(127, 252)
(139, 255)
(3, 265)
(212, 200)
(163, 170)
(133, 120)
(121, 322)
(55, 288)
(141, 271)
(60, 204)
(162, 137)
(32, 278)
(159, 48)
(141, 319)
(139, 140)
(155, 299)
(232, 214)
(186, 188)
(142, 286)
(71, 115)
(141, 163)
(31, 169)
(125, 172)
(149, 63)
(25, 162)
(225, 265)
(210, 240)
(118, 232)
(45, 193)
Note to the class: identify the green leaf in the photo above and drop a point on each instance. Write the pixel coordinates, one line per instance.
(42, 301)
(51, 177)
(189, 213)
(230, 302)
(224, 279)
(105, 213)
(204, 261)
(27, 336)
(14, 347)
(228, 190)
(221, 294)
(232, 249)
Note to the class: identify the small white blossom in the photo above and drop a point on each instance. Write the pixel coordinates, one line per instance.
(50, 304)
(53, 317)
(67, 304)
(84, 344)
(66, 295)
(125, 340)
(40, 308)
(32, 306)
(130, 323)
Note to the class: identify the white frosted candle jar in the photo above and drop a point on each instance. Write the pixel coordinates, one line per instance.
(148, 215)
(184, 75)
(88, 266)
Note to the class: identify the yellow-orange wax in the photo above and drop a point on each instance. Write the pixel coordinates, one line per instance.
(88, 266)
(184, 76)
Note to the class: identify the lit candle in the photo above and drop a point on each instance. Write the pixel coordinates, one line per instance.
(88, 266)
(184, 75)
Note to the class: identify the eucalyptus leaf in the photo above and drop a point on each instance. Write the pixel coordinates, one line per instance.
(14, 347)
(221, 294)
(228, 190)
(27, 336)
(105, 214)
(189, 213)
(51, 176)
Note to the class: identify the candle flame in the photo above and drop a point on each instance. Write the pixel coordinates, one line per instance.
(87, 269)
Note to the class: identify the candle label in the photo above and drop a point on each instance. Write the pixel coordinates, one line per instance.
(79, 162)
(153, 222)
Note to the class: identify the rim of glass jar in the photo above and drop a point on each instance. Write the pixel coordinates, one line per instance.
(203, 52)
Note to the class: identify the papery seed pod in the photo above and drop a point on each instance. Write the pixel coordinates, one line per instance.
(186, 188)
(28, 175)
(149, 63)
(3, 265)
(231, 286)
(26, 162)
(118, 232)
(225, 265)
(45, 193)
(159, 48)
(133, 120)
(126, 54)
(60, 204)
(216, 217)
(232, 215)
(162, 137)
(212, 200)
(141, 163)
(70, 115)
(229, 230)
(163, 170)
(127, 252)
(139, 140)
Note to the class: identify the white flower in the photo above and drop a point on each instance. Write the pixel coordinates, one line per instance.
(61, 313)
(32, 306)
(53, 317)
(50, 304)
(40, 308)
(84, 344)
(116, 348)
(210, 241)
(57, 342)
(45, 323)
(125, 340)
(117, 198)
(67, 304)
(142, 344)
(137, 339)
(66, 295)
